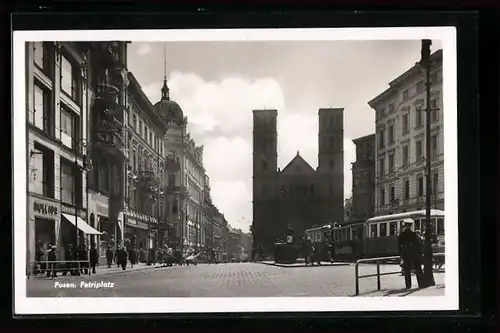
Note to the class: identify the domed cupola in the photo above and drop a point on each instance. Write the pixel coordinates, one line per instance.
(169, 110)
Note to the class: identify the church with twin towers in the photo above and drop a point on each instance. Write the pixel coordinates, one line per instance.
(297, 197)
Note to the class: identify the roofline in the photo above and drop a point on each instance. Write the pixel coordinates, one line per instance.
(149, 107)
(270, 110)
(436, 56)
(363, 138)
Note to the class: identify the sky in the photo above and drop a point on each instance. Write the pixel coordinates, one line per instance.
(218, 84)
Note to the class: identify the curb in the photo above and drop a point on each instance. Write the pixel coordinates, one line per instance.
(299, 266)
(103, 274)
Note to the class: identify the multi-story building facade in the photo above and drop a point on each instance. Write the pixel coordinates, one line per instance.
(107, 138)
(185, 177)
(145, 186)
(57, 108)
(363, 179)
(347, 210)
(234, 246)
(298, 196)
(208, 215)
(400, 145)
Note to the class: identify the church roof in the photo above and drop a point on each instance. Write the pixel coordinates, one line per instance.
(298, 166)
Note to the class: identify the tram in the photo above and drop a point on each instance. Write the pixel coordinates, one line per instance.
(378, 236)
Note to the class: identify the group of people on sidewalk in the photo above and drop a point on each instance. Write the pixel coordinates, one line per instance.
(316, 252)
(76, 261)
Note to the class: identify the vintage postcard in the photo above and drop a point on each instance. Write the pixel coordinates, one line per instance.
(258, 170)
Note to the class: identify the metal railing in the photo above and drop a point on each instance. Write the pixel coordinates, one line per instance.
(378, 274)
(45, 266)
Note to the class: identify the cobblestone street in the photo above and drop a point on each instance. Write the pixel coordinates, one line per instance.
(225, 280)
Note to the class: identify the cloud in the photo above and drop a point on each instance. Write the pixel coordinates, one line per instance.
(220, 117)
(234, 200)
(144, 49)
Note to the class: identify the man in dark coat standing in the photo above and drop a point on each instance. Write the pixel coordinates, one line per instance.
(94, 258)
(121, 257)
(410, 252)
(109, 256)
(51, 257)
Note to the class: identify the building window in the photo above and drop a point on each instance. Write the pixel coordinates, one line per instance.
(151, 139)
(140, 128)
(381, 167)
(407, 189)
(134, 122)
(418, 150)
(434, 146)
(68, 188)
(391, 134)
(43, 57)
(67, 127)
(393, 194)
(435, 182)
(41, 116)
(406, 156)
(418, 117)
(391, 108)
(103, 177)
(381, 143)
(434, 110)
(42, 170)
(420, 186)
(69, 78)
(406, 127)
(434, 77)
(405, 95)
(420, 87)
(382, 196)
(391, 164)
(145, 134)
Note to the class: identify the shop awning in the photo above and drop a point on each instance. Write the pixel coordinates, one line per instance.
(82, 225)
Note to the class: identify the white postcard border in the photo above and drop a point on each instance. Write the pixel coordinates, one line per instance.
(25, 305)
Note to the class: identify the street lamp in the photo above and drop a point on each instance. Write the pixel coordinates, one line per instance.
(425, 62)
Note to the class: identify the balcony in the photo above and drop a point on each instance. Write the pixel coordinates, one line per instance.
(148, 176)
(107, 96)
(111, 142)
(177, 190)
(172, 165)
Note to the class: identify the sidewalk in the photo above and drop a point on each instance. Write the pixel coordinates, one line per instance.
(105, 271)
(302, 264)
(393, 286)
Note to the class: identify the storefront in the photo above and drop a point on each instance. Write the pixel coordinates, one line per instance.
(101, 220)
(44, 223)
(136, 231)
(75, 231)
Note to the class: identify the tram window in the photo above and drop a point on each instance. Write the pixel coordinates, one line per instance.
(373, 230)
(353, 233)
(383, 229)
(440, 227)
(393, 228)
(417, 225)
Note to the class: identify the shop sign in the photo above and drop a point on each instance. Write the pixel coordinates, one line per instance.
(71, 210)
(45, 209)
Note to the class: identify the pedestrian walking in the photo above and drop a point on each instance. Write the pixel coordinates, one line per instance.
(109, 256)
(94, 258)
(132, 257)
(51, 258)
(121, 257)
(410, 251)
(84, 258)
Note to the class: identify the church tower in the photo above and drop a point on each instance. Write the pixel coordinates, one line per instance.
(265, 167)
(330, 173)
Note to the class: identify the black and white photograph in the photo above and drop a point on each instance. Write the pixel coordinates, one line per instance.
(168, 171)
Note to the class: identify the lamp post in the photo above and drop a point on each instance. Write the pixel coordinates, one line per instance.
(425, 61)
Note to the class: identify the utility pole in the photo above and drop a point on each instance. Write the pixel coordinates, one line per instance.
(425, 61)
